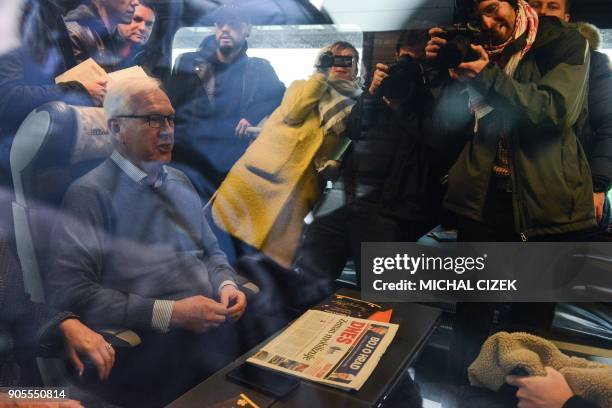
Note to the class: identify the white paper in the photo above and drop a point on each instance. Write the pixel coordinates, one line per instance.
(131, 72)
(88, 70)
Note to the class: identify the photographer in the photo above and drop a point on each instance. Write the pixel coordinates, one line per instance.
(390, 175)
(268, 192)
(522, 175)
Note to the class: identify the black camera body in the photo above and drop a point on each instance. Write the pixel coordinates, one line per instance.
(401, 77)
(457, 49)
(328, 60)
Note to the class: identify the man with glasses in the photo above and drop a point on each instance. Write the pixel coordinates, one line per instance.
(596, 135)
(219, 92)
(132, 250)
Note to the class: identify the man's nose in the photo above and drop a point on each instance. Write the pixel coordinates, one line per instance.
(134, 3)
(487, 22)
(166, 133)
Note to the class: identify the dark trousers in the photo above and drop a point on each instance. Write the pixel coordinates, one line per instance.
(331, 240)
(474, 321)
(165, 366)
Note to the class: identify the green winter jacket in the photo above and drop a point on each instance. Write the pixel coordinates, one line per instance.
(537, 110)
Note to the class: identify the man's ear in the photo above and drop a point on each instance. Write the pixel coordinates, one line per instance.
(113, 126)
(568, 17)
(247, 32)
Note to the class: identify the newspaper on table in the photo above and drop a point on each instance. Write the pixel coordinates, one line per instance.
(328, 348)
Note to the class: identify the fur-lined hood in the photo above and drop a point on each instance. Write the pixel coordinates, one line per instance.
(590, 32)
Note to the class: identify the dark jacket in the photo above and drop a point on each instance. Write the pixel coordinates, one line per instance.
(597, 135)
(579, 402)
(24, 325)
(27, 74)
(26, 84)
(90, 37)
(206, 116)
(391, 157)
(537, 110)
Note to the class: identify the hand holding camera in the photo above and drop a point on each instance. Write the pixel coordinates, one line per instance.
(328, 60)
(436, 41)
(457, 48)
(379, 75)
(396, 80)
(469, 70)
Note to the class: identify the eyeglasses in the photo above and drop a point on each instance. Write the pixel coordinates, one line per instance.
(155, 121)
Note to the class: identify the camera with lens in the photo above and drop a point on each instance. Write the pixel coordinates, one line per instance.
(328, 60)
(457, 50)
(401, 77)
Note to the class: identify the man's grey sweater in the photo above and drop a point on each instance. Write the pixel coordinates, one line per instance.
(121, 245)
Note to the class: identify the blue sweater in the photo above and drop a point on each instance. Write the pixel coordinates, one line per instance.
(121, 245)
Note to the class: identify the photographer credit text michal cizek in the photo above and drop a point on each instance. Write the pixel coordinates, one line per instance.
(423, 263)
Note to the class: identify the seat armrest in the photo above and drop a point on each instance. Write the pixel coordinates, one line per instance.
(249, 288)
(120, 338)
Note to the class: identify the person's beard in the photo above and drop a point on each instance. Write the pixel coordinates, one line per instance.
(226, 49)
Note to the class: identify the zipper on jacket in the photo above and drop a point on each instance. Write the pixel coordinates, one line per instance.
(518, 213)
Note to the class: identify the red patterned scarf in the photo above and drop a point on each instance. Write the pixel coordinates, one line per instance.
(526, 21)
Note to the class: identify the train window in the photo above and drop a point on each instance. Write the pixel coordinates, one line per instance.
(390, 15)
(290, 49)
(606, 42)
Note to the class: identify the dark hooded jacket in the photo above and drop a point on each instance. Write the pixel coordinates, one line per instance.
(210, 99)
(596, 131)
(90, 37)
(537, 109)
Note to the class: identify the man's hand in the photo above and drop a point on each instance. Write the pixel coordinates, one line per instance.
(598, 199)
(469, 70)
(234, 300)
(434, 44)
(551, 391)
(80, 340)
(96, 89)
(379, 75)
(198, 314)
(241, 128)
